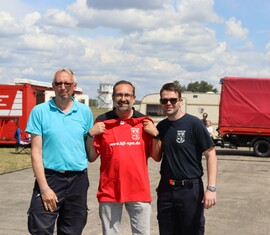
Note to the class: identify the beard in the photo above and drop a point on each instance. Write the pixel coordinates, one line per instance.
(123, 106)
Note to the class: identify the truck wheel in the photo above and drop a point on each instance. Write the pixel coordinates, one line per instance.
(262, 148)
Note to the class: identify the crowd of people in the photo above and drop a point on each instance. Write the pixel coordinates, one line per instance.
(65, 138)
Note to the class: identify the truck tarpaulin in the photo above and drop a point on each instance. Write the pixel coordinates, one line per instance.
(244, 105)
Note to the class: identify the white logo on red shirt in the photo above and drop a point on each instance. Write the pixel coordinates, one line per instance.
(135, 133)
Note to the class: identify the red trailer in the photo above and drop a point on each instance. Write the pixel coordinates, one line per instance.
(16, 103)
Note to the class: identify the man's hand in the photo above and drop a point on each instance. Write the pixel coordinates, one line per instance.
(150, 127)
(209, 199)
(97, 129)
(49, 199)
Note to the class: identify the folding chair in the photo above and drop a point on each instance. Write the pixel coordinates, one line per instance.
(22, 145)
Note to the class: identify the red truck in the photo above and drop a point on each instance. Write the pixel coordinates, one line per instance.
(16, 103)
(244, 114)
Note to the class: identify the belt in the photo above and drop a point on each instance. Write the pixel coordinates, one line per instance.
(183, 183)
(49, 171)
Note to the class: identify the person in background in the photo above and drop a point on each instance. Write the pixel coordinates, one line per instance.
(58, 131)
(24, 141)
(181, 194)
(204, 119)
(209, 128)
(124, 139)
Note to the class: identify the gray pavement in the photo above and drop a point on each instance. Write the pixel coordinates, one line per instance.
(243, 206)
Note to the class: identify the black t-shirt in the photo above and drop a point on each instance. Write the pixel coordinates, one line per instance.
(183, 142)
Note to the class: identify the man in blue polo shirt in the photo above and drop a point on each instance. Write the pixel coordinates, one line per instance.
(58, 129)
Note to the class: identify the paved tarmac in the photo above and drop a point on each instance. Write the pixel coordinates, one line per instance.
(243, 206)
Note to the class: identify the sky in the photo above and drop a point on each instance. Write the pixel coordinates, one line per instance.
(147, 42)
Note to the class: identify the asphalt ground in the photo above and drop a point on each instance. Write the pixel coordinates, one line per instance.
(243, 206)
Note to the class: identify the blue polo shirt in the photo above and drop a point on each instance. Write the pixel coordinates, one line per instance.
(63, 134)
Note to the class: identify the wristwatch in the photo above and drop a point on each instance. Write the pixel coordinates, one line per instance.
(212, 188)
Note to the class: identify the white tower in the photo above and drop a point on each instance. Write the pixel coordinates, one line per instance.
(104, 99)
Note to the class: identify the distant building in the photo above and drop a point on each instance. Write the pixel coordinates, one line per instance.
(104, 99)
(193, 103)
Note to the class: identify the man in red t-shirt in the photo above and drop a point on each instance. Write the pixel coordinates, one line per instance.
(124, 139)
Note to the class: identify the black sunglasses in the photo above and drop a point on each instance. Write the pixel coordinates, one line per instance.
(172, 100)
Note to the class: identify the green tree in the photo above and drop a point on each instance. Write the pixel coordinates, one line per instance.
(183, 88)
(201, 86)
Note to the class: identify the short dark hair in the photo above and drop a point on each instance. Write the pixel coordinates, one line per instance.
(124, 82)
(171, 87)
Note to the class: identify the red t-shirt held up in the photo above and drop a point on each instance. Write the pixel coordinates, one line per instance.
(124, 149)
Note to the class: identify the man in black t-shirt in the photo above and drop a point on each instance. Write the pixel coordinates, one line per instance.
(181, 194)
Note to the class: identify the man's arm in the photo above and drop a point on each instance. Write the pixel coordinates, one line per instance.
(210, 198)
(90, 149)
(156, 149)
(48, 196)
(151, 129)
(97, 129)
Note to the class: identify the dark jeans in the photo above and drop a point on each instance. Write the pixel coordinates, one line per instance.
(71, 212)
(180, 209)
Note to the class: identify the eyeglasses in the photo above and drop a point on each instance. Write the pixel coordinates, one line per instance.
(66, 84)
(125, 95)
(172, 100)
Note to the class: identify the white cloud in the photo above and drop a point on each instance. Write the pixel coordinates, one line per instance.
(199, 11)
(41, 42)
(124, 4)
(148, 44)
(221, 48)
(28, 71)
(31, 19)
(9, 26)
(249, 45)
(130, 19)
(234, 28)
(59, 18)
(124, 20)
(16, 8)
